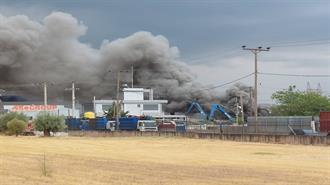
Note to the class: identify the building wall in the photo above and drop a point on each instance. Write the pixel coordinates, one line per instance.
(133, 109)
(133, 94)
(134, 103)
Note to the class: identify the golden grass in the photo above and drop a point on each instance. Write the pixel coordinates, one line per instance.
(158, 161)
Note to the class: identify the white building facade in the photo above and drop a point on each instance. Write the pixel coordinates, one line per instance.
(134, 103)
(32, 109)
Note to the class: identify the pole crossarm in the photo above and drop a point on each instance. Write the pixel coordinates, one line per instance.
(255, 51)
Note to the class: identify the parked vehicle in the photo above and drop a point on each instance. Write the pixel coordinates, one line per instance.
(147, 125)
(325, 122)
(167, 126)
(111, 125)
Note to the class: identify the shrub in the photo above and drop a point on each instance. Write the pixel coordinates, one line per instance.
(5, 118)
(16, 126)
(49, 123)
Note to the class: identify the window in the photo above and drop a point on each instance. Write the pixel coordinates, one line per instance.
(150, 107)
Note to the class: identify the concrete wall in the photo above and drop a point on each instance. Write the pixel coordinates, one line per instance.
(133, 94)
(275, 139)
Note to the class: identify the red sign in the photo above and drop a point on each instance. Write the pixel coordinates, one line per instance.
(31, 108)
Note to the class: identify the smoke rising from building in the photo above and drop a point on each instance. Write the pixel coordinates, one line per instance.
(50, 51)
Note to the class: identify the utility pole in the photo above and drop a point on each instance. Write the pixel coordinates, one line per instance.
(242, 111)
(132, 70)
(73, 100)
(237, 110)
(242, 107)
(73, 94)
(94, 105)
(45, 94)
(117, 108)
(117, 103)
(255, 51)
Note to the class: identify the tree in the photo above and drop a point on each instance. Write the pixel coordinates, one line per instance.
(292, 102)
(16, 126)
(49, 123)
(111, 113)
(5, 118)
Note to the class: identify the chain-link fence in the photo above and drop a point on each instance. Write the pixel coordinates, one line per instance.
(281, 125)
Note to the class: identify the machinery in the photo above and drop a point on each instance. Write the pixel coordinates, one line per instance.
(204, 117)
(216, 107)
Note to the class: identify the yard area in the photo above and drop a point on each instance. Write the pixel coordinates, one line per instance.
(158, 160)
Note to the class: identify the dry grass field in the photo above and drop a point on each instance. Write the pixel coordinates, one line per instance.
(158, 160)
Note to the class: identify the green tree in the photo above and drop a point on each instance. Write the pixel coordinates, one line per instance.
(5, 118)
(16, 126)
(49, 123)
(292, 102)
(111, 113)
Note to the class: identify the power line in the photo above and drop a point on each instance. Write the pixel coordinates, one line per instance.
(295, 42)
(302, 44)
(296, 75)
(227, 83)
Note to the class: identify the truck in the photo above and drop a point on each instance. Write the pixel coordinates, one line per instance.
(167, 126)
(147, 125)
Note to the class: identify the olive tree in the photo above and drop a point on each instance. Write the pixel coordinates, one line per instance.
(49, 123)
(16, 126)
(5, 118)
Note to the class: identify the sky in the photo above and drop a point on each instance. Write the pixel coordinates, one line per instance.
(209, 35)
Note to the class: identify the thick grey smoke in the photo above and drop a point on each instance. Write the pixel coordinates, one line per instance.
(50, 51)
(232, 96)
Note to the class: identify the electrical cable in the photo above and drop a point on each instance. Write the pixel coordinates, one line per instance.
(301, 44)
(296, 75)
(227, 83)
(294, 42)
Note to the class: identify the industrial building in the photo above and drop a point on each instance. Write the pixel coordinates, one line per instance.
(137, 101)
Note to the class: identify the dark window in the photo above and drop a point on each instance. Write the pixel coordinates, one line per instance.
(150, 107)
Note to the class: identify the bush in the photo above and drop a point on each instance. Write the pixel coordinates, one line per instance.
(16, 126)
(5, 118)
(49, 123)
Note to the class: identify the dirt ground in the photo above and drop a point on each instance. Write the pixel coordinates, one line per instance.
(158, 160)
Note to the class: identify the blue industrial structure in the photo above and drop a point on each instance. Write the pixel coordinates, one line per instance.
(216, 107)
(204, 117)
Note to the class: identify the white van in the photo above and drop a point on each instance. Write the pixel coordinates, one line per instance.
(147, 125)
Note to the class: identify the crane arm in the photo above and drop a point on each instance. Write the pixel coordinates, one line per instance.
(216, 107)
(198, 107)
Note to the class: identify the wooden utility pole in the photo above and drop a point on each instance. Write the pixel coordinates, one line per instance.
(255, 51)
(117, 103)
(73, 100)
(132, 70)
(45, 94)
(242, 107)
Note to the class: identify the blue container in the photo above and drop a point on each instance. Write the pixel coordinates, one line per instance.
(101, 123)
(84, 125)
(73, 123)
(128, 123)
